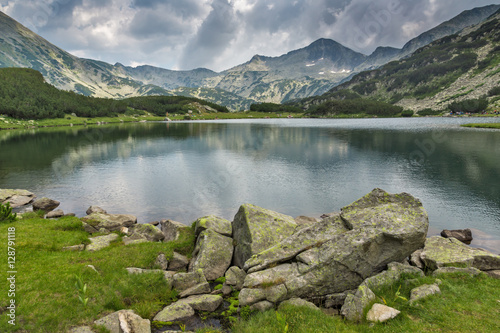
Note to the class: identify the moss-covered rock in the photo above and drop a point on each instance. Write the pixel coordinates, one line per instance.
(111, 222)
(446, 252)
(213, 254)
(148, 231)
(256, 229)
(214, 223)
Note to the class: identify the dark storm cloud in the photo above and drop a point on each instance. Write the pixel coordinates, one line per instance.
(219, 34)
(213, 37)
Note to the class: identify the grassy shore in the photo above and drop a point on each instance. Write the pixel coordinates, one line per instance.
(47, 299)
(480, 125)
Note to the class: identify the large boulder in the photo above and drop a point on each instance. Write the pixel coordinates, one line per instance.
(217, 224)
(213, 254)
(444, 252)
(16, 198)
(111, 222)
(45, 204)
(369, 234)
(256, 229)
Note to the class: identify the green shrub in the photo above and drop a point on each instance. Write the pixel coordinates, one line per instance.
(429, 112)
(407, 113)
(469, 105)
(6, 214)
(494, 91)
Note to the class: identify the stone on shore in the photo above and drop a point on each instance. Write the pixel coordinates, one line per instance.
(172, 229)
(217, 224)
(374, 231)
(444, 252)
(55, 214)
(178, 262)
(148, 231)
(16, 198)
(45, 204)
(381, 313)
(175, 312)
(463, 235)
(256, 229)
(95, 209)
(111, 222)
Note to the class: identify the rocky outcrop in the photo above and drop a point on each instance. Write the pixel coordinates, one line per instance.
(443, 252)
(256, 229)
(16, 198)
(111, 222)
(45, 204)
(370, 233)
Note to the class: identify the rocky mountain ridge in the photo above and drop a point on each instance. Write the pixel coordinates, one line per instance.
(310, 71)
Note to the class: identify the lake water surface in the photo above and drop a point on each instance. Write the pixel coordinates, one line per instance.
(185, 170)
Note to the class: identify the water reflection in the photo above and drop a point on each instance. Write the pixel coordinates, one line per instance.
(299, 167)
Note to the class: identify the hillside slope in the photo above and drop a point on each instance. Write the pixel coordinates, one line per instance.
(455, 68)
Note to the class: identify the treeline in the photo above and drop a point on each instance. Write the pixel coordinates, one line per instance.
(160, 105)
(275, 108)
(355, 107)
(24, 94)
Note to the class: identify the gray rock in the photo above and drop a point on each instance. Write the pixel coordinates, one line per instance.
(217, 224)
(337, 300)
(494, 274)
(135, 270)
(81, 329)
(100, 242)
(178, 262)
(235, 276)
(203, 302)
(88, 228)
(423, 291)
(305, 221)
(161, 261)
(124, 321)
(172, 229)
(415, 259)
(214, 254)
(381, 313)
(471, 271)
(135, 239)
(175, 312)
(256, 229)
(95, 209)
(148, 231)
(74, 248)
(380, 228)
(354, 305)
(262, 306)
(199, 289)
(183, 281)
(104, 231)
(298, 302)
(463, 235)
(16, 198)
(304, 239)
(45, 204)
(111, 222)
(443, 252)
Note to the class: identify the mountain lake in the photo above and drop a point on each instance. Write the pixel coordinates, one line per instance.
(186, 170)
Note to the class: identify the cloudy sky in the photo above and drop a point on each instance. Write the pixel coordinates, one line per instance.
(219, 34)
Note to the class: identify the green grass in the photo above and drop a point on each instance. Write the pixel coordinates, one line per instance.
(46, 295)
(479, 125)
(466, 304)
